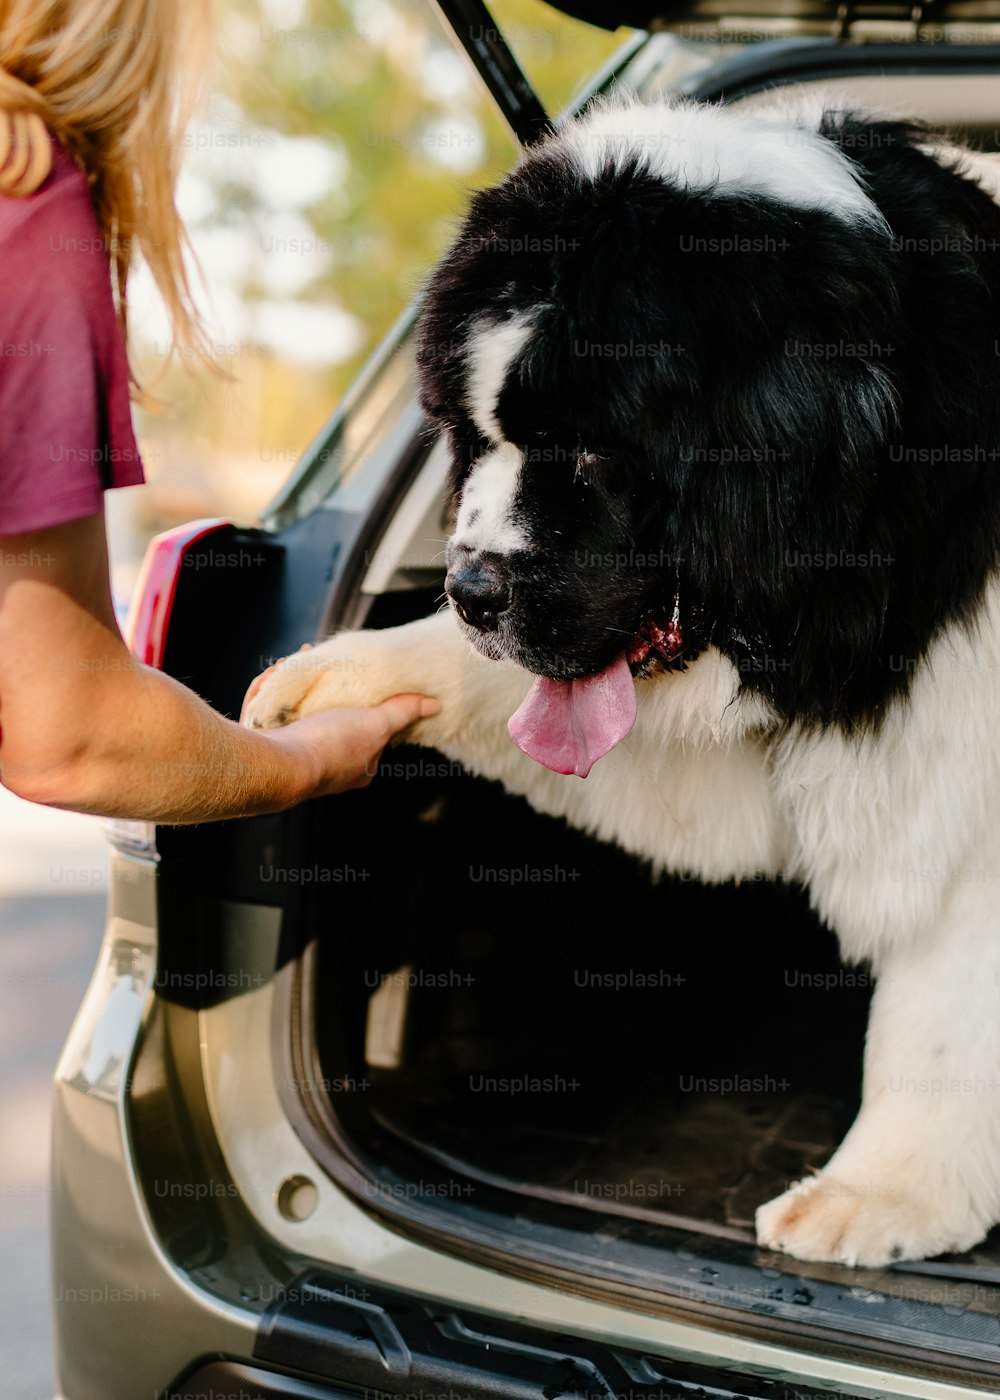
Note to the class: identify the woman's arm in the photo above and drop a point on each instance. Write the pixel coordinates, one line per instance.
(85, 727)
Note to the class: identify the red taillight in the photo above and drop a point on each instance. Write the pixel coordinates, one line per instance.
(153, 600)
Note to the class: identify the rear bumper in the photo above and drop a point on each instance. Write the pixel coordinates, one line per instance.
(376, 1341)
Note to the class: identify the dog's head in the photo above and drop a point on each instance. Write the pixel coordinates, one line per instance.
(632, 345)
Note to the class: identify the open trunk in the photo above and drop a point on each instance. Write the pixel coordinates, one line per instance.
(510, 1040)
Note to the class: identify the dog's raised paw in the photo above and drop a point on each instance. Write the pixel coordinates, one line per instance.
(823, 1219)
(352, 668)
(283, 693)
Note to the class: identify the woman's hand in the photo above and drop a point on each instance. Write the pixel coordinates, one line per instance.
(343, 746)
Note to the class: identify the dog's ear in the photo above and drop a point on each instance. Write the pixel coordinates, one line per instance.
(824, 399)
(785, 450)
(792, 457)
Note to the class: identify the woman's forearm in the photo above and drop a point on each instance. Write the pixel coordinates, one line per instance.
(85, 727)
(152, 750)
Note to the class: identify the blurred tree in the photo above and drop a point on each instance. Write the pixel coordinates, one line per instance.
(338, 152)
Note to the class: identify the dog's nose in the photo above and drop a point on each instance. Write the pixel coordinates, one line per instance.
(479, 593)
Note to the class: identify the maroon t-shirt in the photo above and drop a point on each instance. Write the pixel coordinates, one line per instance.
(66, 431)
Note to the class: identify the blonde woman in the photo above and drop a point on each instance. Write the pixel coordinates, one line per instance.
(91, 131)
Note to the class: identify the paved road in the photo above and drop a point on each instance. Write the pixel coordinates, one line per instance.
(52, 888)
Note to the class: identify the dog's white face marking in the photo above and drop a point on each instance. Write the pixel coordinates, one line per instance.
(733, 153)
(486, 515)
(492, 349)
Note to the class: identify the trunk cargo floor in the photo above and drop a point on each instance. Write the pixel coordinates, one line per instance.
(702, 1161)
(709, 1158)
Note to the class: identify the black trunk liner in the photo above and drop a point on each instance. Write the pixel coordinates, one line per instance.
(702, 1163)
(706, 1159)
(695, 1049)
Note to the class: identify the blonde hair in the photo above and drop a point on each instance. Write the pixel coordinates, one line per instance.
(116, 82)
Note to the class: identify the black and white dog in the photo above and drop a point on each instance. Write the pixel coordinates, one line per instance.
(723, 393)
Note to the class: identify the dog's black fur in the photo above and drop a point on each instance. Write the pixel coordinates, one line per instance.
(805, 446)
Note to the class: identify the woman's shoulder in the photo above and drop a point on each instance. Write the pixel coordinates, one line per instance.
(66, 431)
(55, 259)
(56, 218)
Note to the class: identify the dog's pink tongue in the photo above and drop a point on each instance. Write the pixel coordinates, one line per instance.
(569, 725)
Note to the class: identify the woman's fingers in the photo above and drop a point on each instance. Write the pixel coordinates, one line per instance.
(400, 711)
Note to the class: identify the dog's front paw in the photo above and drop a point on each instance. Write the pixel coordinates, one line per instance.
(316, 678)
(871, 1225)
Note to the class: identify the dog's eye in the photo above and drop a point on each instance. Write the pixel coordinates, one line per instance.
(589, 460)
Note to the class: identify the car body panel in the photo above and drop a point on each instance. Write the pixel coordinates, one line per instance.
(123, 1313)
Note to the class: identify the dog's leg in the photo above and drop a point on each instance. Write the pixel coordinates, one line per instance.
(428, 656)
(918, 1173)
(687, 790)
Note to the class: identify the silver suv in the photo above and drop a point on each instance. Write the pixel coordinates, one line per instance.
(332, 1119)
